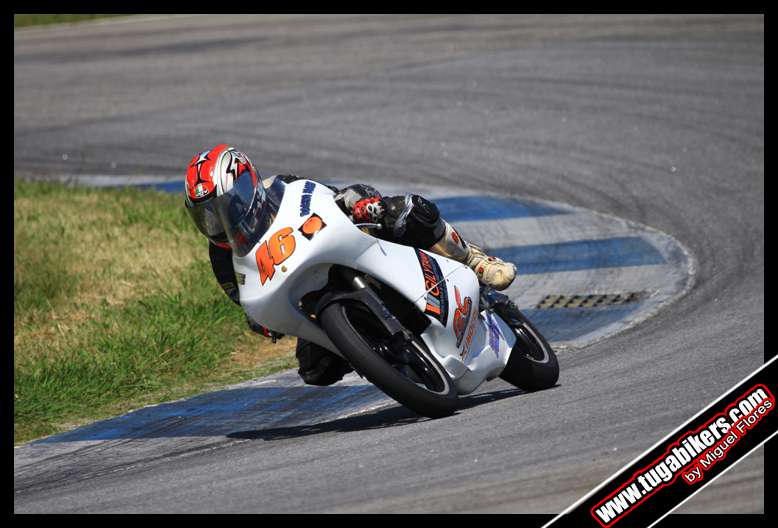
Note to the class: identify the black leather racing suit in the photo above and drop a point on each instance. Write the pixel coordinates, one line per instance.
(423, 227)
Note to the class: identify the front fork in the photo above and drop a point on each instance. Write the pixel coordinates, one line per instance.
(364, 294)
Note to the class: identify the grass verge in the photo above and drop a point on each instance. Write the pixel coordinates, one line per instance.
(39, 19)
(116, 307)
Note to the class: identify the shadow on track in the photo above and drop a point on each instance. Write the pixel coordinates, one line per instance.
(395, 416)
(267, 413)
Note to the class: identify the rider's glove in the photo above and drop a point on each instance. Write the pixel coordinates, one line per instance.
(369, 210)
(263, 330)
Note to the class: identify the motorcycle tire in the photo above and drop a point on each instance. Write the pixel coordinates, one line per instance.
(533, 364)
(348, 326)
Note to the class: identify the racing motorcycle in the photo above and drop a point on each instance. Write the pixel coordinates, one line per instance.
(417, 325)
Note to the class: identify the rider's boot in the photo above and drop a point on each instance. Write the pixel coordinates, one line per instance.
(319, 366)
(491, 271)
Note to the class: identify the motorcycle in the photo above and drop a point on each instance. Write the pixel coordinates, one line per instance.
(417, 325)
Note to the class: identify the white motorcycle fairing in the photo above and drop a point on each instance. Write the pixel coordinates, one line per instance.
(310, 234)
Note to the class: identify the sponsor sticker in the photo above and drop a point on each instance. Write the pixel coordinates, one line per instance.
(494, 333)
(311, 226)
(461, 317)
(305, 199)
(468, 341)
(200, 190)
(434, 283)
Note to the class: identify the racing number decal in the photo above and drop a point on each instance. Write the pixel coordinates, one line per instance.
(273, 252)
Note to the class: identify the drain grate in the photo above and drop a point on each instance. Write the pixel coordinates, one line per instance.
(591, 300)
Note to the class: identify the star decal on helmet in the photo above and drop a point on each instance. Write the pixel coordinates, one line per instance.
(202, 158)
(199, 185)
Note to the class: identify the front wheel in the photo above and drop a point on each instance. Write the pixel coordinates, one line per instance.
(532, 365)
(407, 371)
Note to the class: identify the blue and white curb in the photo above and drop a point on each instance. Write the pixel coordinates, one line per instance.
(564, 250)
(558, 249)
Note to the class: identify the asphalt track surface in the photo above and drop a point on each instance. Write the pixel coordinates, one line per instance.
(657, 120)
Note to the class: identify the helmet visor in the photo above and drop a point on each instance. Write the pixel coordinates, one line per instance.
(245, 213)
(205, 218)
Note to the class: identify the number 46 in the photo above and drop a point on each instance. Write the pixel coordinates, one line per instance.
(273, 252)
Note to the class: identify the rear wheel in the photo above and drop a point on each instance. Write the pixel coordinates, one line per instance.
(405, 370)
(533, 364)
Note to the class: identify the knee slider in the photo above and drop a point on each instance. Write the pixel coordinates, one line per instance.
(424, 211)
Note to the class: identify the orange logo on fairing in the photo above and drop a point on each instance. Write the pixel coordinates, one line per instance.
(273, 252)
(461, 315)
(311, 226)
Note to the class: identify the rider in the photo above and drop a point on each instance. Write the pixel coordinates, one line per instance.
(411, 220)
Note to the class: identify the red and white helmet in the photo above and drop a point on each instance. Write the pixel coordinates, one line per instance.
(214, 173)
